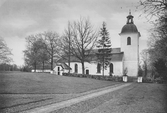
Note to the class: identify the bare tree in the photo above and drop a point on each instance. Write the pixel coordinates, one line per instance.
(81, 40)
(154, 7)
(5, 52)
(43, 54)
(66, 43)
(145, 59)
(31, 54)
(52, 45)
(158, 38)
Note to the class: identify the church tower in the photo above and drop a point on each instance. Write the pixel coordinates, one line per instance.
(129, 38)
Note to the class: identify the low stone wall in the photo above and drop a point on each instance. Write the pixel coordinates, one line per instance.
(98, 77)
(114, 78)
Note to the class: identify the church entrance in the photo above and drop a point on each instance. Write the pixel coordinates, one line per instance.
(87, 72)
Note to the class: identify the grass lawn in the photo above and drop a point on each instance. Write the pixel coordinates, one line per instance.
(136, 98)
(43, 83)
(17, 88)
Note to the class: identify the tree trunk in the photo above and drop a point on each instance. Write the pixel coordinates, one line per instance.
(69, 64)
(51, 63)
(69, 59)
(103, 64)
(145, 73)
(43, 63)
(83, 68)
(35, 66)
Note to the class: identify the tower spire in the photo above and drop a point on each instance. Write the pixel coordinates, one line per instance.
(129, 18)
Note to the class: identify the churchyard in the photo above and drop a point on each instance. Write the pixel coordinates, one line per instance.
(19, 88)
(21, 91)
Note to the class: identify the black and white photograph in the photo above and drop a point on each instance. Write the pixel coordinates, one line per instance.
(83, 56)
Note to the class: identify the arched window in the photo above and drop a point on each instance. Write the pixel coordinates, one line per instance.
(58, 70)
(111, 68)
(76, 68)
(98, 68)
(128, 41)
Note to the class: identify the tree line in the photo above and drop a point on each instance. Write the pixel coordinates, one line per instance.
(155, 57)
(5, 57)
(78, 40)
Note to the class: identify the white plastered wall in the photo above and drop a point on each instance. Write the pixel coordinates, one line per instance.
(131, 53)
(92, 67)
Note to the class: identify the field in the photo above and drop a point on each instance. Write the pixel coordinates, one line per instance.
(22, 91)
(136, 98)
(27, 89)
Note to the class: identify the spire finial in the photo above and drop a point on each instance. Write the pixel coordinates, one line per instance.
(129, 18)
(129, 12)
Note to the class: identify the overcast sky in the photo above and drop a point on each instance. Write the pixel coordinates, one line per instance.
(20, 18)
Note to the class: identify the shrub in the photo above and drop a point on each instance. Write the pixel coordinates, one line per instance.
(125, 72)
(147, 80)
(140, 72)
(98, 77)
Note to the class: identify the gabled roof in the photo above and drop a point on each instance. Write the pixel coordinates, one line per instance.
(63, 65)
(116, 55)
(114, 50)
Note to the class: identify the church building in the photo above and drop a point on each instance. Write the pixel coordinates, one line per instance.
(124, 58)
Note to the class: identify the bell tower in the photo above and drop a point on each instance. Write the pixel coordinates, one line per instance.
(129, 38)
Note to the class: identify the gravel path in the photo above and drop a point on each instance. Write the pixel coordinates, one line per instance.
(137, 98)
(21, 102)
(67, 103)
(28, 101)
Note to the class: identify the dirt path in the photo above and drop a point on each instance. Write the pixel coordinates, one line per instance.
(68, 103)
(137, 98)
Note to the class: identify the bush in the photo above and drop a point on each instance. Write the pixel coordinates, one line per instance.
(140, 72)
(159, 80)
(98, 77)
(147, 80)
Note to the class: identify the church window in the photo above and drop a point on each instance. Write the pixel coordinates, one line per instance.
(58, 69)
(128, 41)
(111, 68)
(76, 68)
(98, 68)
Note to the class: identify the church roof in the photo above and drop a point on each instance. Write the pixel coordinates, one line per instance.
(116, 55)
(114, 50)
(130, 27)
(63, 65)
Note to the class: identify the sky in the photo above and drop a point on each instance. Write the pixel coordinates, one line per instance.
(21, 18)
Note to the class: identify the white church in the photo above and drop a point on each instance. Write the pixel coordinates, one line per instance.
(125, 57)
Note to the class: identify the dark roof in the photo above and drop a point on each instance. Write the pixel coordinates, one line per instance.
(63, 65)
(129, 28)
(114, 50)
(116, 55)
